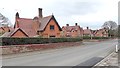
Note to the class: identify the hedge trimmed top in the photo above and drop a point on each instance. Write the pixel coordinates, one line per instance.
(23, 41)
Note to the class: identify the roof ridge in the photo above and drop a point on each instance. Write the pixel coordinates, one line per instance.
(26, 18)
(16, 29)
(48, 16)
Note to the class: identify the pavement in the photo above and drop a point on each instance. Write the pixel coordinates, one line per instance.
(110, 60)
(85, 55)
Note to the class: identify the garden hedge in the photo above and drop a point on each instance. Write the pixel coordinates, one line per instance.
(22, 41)
(87, 37)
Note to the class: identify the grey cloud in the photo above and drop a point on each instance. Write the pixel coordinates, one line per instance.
(75, 8)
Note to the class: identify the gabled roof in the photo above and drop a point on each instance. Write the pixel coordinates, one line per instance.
(10, 34)
(100, 30)
(70, 28)
(46, 20)
(94, 31)
(87, 31)
(6, 34)
(26, 25)
(1, 28)
(6, 29)
(20, 30)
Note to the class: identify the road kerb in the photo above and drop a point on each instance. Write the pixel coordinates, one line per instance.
(103, 62)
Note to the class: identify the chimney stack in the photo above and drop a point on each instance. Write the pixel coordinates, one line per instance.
(17, 15)
(87, 27)
(76, 24)
(16, 20)
(67, 24)
(40, 12)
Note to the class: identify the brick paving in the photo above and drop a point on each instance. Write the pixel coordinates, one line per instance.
(110, 60)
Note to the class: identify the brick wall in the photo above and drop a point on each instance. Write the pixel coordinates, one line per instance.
(33, 47)
(47, 33)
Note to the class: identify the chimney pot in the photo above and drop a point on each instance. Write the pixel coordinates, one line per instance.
(87, 27)
(76, 24)
(67, 24)
(17, 15)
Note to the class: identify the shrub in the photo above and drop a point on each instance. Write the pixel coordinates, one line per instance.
(86, 37)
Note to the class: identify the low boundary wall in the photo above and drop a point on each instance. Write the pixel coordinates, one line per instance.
(12, 49)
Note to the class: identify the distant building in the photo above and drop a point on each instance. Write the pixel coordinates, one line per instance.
(72, 31)
(4, 29)
(96, 33)
(87, 32)
(101, 33)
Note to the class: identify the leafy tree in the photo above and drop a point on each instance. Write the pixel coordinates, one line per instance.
(112, 28)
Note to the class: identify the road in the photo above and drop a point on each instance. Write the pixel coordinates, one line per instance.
(84, 55)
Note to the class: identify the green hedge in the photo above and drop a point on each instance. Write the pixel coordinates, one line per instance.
(21, 41)
(87, 37)
(0, 41)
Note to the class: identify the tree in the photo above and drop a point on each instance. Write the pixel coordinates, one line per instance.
(118, 31)
(110, 25)
(4, 21)
(112, 28)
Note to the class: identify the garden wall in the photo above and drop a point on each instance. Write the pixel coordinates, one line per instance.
(13, 49)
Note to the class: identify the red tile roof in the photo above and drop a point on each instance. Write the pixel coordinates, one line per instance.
(11, 28)
(70, 28)
(6, 29)
(9, 34)
(12, 33)
(103, 30)
(87, 31)
(44, 22)
(1, 28)
(26, 25)
(6, 34)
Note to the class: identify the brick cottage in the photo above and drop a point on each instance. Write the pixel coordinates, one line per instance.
(72, 31)
(38, 26)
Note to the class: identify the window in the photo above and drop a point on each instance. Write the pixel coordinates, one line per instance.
(52, 36)
(51, 27)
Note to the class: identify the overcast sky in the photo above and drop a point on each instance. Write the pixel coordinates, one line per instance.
(91, 13)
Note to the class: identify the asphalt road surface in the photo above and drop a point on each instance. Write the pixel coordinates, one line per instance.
(85, 55)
